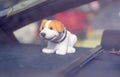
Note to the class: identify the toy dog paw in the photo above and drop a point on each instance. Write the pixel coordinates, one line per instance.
(61, 51)
(47, 51)
(71, 50)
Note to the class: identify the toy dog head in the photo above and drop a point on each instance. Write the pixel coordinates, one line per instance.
(50, 29)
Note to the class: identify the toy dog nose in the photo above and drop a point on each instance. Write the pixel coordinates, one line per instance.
(43, 34)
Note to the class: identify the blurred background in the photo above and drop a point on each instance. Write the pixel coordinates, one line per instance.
(87, 21)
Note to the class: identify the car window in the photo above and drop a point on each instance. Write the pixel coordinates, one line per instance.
(87, 21)
(4, 4)
(77, 20)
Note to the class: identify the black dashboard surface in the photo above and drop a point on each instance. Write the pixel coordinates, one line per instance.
(19, 60)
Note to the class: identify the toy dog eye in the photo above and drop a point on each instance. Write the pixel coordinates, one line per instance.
(51, 28)
(42, 28)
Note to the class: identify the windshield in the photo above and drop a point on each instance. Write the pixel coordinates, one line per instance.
(86, 21)
(7, 3)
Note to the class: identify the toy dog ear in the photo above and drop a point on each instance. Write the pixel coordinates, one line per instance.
(59, 26)
(43, 24)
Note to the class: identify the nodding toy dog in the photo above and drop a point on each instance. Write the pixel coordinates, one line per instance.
(60, 40)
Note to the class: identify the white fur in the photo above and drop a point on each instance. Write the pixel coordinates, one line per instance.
(47, 23)
(61, 48)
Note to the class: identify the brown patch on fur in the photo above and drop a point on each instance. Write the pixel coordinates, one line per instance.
(56, 25)
(43, 24)
(52, 26)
